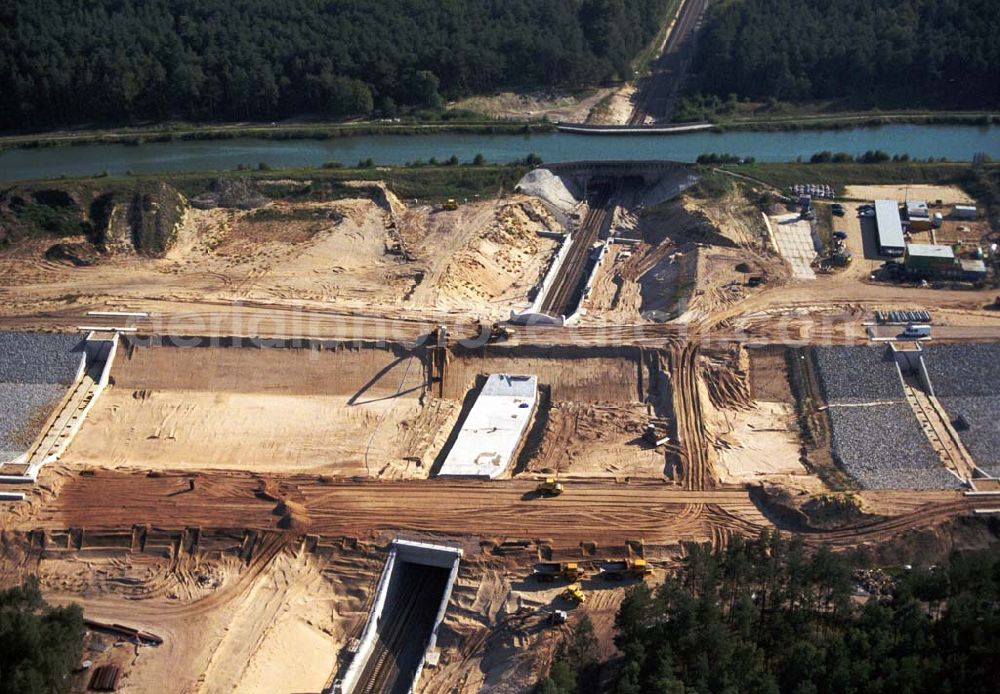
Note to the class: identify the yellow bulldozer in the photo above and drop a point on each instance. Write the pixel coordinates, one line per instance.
(549, 487)
(575, 594)
(450, 206)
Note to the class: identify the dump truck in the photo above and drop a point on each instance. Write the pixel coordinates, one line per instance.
(558, 570)
(451, 205)
(626, 568)
(549, 487)
(574, 593)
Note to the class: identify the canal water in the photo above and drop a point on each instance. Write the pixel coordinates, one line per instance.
(954, 142)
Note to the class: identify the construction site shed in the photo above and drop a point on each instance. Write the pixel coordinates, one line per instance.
(890, 228)
(929, 257)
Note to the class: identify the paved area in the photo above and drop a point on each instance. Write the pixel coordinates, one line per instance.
(795, 242)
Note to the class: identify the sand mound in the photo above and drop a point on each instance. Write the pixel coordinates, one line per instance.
(293, 515)
(556, 191)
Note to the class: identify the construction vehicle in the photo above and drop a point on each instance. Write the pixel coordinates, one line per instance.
(549, 487)
(655, 433)
(574, 593)
(627, 568)
(450, 206)
(562, 571)
(557, 617)
(500, 333)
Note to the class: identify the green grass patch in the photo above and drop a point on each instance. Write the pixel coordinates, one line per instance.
(782, 175)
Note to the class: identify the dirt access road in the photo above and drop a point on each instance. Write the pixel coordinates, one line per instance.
(601, 512)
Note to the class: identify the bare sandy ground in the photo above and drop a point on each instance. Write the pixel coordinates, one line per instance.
(586, 440)
(344, 413)
(615, 108)
(255, 431)
(757, 443)
(477, 260)
(275, 625)
(946, 194)
(571, 108)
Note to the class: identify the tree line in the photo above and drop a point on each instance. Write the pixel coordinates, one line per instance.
(39, 645)
(115, 61)
(767, 617)
(869, 53)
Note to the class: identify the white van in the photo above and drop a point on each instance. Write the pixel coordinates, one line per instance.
(917, 330)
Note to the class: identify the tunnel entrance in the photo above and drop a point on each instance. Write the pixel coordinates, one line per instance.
(401, 631)
(411, 605)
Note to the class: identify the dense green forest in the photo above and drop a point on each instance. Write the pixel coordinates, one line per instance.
(767, 617)
(39, 645)
(113, 61)
(869, 53)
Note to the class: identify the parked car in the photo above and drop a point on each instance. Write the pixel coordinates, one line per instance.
(837, 209)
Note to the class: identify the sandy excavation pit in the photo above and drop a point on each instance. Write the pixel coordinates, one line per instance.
(753, 420)
(594, 404)
(366, 411)
(251, 611)
(333, 411)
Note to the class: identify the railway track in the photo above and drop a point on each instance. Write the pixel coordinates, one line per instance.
(387, 669)
(661, 87)
(382, 667)
(566, 291)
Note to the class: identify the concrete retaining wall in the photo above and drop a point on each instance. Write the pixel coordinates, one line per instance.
(589, 286)
(98, 352)
(368, 636)
(550, 277)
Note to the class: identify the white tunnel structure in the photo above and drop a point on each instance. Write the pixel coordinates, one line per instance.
(402, 627)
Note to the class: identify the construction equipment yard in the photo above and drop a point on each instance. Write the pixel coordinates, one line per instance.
(305, 468)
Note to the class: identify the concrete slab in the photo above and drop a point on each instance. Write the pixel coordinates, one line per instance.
(796, 243)
(494, 427)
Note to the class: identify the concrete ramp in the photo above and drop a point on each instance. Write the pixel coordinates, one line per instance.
(491, 433)
(400, 636)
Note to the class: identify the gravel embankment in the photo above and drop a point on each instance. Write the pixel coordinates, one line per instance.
(23, 409)
(964, 370)
(35, 369)
(858, 374)
(983, 435)
(883, 447)
(39, 357)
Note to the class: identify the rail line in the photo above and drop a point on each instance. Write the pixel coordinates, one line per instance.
(664, 82)
(412, 609)
(567, 288)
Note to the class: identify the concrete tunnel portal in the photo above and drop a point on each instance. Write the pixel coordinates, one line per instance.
(400, 636)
